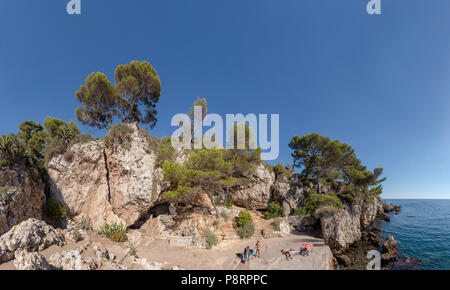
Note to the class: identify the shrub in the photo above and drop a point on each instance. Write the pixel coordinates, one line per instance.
(314, 201)
(274, 210)
(225, 216)
(118, 134)
(86, 224)
(280, 170)
(55, 148)
(165, 151)
(4, 163)
(115, 231)
(229, 203)
(211, 239)
(3, 190)
(119, 237)
(242, 219)
(246, 231)
(152, 141)
(54, 210)
(82, 139)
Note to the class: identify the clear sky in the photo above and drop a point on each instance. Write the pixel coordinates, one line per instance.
(378, 83)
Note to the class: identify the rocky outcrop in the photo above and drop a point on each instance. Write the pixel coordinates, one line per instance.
(255, 194)
(390, 207)
(31, 261)
(21, 196)
(290, 196)
(107, 183)
(70, 260)
(371, 209)
(31, 235)
(344, 228)
(389, 250)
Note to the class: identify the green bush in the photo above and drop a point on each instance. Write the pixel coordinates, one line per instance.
(229, 203)
(274, 210)
(280, 170)
(152, 141)
(54, 210)
(55, 148)
(314, 201)
(115, 231)
(165, 152)
(242, 219)
(246, 230)
(3, 190)
(119, 237)
(211, 239)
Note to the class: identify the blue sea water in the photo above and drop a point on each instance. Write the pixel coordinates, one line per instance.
(422, 230)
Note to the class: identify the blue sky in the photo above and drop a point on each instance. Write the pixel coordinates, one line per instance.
(379, 83)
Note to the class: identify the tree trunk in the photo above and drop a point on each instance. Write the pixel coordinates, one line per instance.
(214, 204)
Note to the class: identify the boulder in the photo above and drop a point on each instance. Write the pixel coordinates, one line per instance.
(69, 260)
(31, 235)
(31, 261)
(389, 250)
(22, 196)
(255, 194)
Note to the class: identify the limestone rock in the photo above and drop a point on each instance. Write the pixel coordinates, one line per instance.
(107, 183)
(31, 235)
(344, 228)
(81, 184)
(69, 260)
(23, 197)
(257, 193)
(389, 250)
(370, 210)
(31, 261)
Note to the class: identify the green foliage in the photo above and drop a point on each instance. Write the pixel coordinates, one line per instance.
(242, 219)
(324, 161)
(3, 190)
(280, 171)
(246, 231)
(229, 203)
(54, 210)
(274, 210)
(34, 138)
(314, 201)
(4, 163)
(165, 152)
(57, 128)
(55, 147)
(139, 88)
(83, 139)
(100, 101)
(152, 141)
(115, 231)
(211, 239)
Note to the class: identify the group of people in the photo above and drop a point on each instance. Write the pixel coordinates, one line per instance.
(289, 253)
(248, 253)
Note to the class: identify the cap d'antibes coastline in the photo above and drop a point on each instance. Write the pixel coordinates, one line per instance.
(224, 135)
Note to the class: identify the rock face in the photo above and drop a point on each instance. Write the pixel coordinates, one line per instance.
(31, 235)
(257, 193)
(289, 195)
(22, 196)
(389, 250)
(31, 261)
(344, 228)
(71, 260)
(107, 184)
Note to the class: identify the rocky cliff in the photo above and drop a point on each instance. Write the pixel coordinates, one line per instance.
(344, 228)
(21, 196)
(107, 183)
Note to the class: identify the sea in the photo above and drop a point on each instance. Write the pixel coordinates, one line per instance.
(422, 230)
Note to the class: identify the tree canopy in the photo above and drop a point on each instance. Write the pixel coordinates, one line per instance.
(132, 99)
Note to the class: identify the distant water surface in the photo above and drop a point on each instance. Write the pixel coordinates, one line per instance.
(422, 230)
